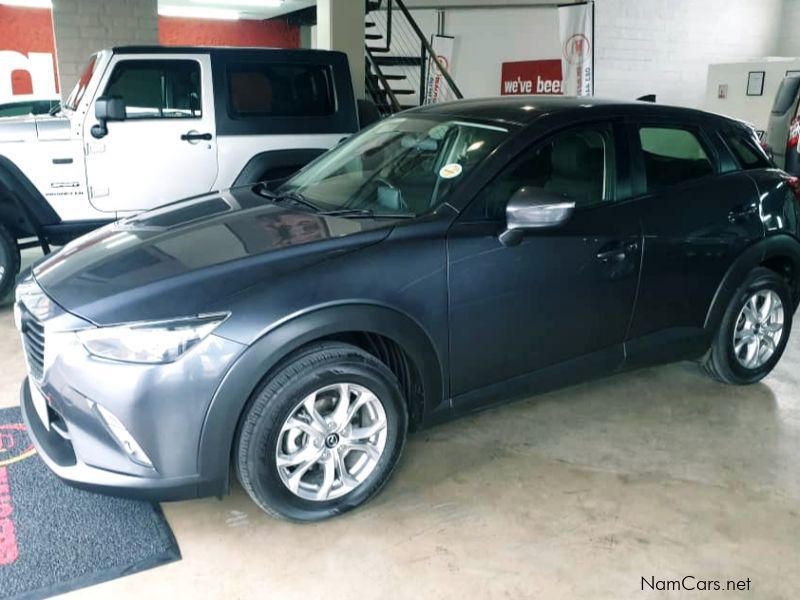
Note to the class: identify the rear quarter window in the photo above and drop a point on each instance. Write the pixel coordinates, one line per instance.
(269, 89)
(746, 150)
(786, 95)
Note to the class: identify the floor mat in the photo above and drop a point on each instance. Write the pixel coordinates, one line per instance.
(54, 538)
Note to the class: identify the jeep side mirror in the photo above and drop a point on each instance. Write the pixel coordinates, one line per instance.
(534, 208)
(107, 108)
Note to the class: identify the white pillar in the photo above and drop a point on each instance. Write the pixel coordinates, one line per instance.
(340, 26)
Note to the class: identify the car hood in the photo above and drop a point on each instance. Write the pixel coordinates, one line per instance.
(30, 129)
(176, 260)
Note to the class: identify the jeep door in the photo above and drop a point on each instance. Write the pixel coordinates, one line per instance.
(166, 147)
(561, 294)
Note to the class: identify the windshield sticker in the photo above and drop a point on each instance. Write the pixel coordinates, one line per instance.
(450, 170)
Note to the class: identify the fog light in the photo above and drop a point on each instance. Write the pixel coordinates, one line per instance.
(123, 437)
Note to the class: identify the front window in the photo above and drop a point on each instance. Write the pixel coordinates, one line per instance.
(402, 165)
(76, 95)
(157, 89)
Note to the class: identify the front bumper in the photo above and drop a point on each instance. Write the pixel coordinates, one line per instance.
(59, 455)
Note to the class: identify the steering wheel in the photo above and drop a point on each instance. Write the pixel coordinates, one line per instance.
(398, 195)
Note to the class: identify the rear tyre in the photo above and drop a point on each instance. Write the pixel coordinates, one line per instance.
(9, 261)
(754, 330)
(322, 435)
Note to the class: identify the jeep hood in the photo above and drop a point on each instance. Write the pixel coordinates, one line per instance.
(178, 259)
(31, 129)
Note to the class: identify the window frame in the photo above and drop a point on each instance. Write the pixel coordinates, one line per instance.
(621, 168)
(150, 61)
(638, 173)
(747, 139)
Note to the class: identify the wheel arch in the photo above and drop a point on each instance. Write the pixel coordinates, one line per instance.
(780, 253)
(23, 209)
(354, 323)
(282, 162)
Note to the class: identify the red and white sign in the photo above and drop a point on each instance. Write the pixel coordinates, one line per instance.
(532, 77)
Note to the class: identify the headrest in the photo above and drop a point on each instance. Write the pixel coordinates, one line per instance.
(570, 158)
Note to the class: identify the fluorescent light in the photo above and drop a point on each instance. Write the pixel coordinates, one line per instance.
(190, 12)
(247, 3)
(28, 3)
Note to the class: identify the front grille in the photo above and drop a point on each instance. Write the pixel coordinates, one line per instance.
(33, 341)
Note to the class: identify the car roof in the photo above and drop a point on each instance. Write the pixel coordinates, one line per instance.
(213, 50)
(524, 110)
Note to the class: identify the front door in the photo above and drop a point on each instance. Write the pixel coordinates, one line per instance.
(560, 294)
(166, 147)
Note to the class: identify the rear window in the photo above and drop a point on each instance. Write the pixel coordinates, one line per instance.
(787, 93)
(672, 156)
(746, 150)
(279, 90)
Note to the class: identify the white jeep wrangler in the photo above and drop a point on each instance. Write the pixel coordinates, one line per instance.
(145, 126)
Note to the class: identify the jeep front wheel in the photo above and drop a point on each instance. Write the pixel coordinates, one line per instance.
(9, 261)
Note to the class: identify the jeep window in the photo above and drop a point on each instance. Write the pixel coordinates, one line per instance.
(401, 165)
(671, 156)
(746, 150)
(279, 90)
(76, 95)
(157, 89)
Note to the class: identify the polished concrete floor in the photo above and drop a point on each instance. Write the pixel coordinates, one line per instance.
(574, 494)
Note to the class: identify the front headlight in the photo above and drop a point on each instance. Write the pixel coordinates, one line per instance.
(149, 342)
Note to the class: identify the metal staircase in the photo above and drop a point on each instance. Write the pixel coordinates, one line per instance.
(400, 61)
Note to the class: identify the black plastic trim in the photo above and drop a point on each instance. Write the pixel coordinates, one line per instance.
(280, 161)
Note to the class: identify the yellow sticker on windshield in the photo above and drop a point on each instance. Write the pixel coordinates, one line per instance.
(450, 170)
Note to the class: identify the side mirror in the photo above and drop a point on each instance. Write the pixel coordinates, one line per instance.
(534, 208)
(111, 108)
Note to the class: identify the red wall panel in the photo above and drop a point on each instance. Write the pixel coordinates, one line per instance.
(173, 31)
(26, 30)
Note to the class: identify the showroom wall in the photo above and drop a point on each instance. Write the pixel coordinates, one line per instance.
(665, 46)
(275, 33)
(27, 52)
(82, 27)
(789, 40)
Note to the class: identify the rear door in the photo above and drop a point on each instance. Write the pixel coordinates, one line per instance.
(166, 148)
(699, 211)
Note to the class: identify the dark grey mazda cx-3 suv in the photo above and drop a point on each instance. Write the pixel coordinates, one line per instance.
(442, 260)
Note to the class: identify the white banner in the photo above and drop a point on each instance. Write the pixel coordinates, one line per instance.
(435, 86)
(577, 46)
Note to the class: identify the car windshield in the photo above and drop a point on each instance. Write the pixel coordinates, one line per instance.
(403, 165)
(76, 95)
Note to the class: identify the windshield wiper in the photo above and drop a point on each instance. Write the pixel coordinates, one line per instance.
(290, 196)
(365, 213)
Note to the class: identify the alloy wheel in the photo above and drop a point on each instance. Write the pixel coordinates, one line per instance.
(331, 441)
(759, 328)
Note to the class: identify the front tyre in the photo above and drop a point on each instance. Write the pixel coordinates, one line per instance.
(322, 435)
(9, 261)
(754, 330)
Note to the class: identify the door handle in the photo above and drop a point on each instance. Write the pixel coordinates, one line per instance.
(194, 136)
(742, 212)
(617, 251)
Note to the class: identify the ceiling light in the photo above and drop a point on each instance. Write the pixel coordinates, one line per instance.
(246, 3)
(28, 3)
(190, 12)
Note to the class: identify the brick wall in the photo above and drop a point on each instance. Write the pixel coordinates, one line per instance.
(82, 27)
(665, 46)
(275, 33)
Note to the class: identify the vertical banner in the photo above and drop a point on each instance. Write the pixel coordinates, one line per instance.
(575, 26)
(435, 85)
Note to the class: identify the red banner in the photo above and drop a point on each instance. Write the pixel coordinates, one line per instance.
(532, 77)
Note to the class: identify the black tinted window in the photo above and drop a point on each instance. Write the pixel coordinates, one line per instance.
(279, 90)
(154, 89)
(577, 164)
(786, 96)
(672, 156)
(745, 148)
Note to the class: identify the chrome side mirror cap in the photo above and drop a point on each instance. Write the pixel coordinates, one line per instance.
(534, 208)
